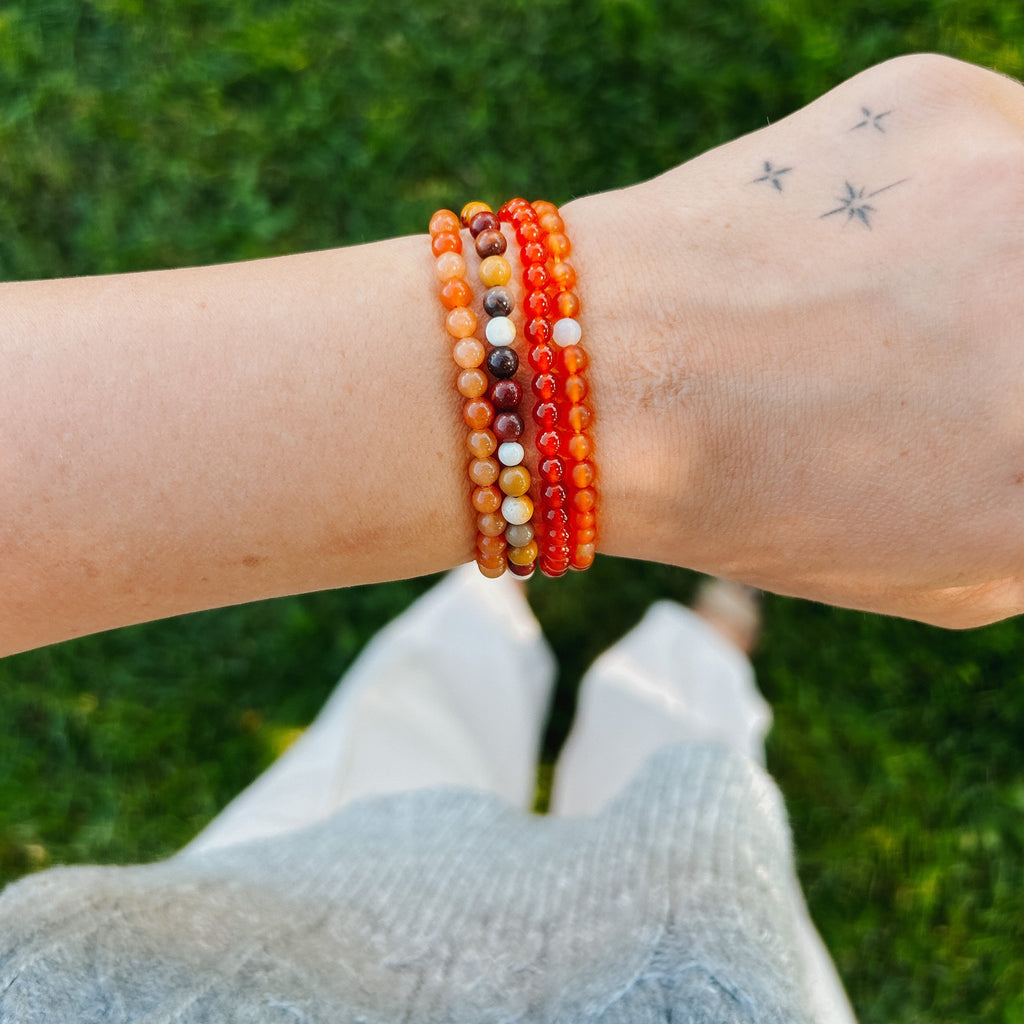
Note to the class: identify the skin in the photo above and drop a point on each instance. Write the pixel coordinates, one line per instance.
(792, 390)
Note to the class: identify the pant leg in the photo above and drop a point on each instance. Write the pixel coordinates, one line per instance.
(453, 692)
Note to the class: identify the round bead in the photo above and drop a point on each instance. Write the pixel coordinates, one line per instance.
(545, 386)
(523, 555)
(491, 524)
(537, 304)
(518, 534)
(508, 426)
(555, 519)
(574, 358)
(502, 362)
(566, 331)
(456, 293)
(490, 243)
(528, 231)
(578, 417)
(556, 536)
(487, 499)
(524, 572)
(500, 330)
(552, 469)
(460, 322)
(535, 277)
(548, 442)
(558, 245)
(444, 221)
(584, 499)
(446, 242)
(583, 556)
(543, 208)
(584, 536)
(488, 544)
(575, 388)
(537, 331)
(584, 520)
(478, 413)
(545, 415)
(568, 304)
(472, 383)
(514, 480)
(498, 301)
(511, 453)
(552, 223)
(542, 358)
(449, 265)
(471, 209)
(563, 276)
(483, 472)
(517, 510)
(495, 270)
(481, 443)
(583, 474)
(554, 495)
(491, 561)
(533, 252)
(506, 395)
(579, 447)
(492, 572)
(485, 220)
(468, 352)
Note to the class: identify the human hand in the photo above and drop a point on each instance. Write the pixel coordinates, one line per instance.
(816, 378)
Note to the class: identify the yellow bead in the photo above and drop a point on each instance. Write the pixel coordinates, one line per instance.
(514, 480)
(495, 271)
(471, 209)
(524, 555)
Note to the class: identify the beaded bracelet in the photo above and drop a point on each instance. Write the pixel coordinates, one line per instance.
(505, 393)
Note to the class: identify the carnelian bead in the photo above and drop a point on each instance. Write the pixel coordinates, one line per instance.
(472, 383)
(506, 394)
(491, 572)
(585, 536)
(583, 474)
(449, 265)
(444, 221)
(487, 499)
(485, 220)
(460, 322)
(446, 242)
(574, 358)
(549, 443)
(533, 252)
(545, 386)
(478, 413)
(508, 426)
(536, 277)
(541, 358)
(537, 331)
(494, 271)
(552, 469)
(509, 209)
(557, 537)
(582, 556)
(456, 293)
(568, 305)
(537, 304)
(558, 245)
(563, 276)
(523, 216)
(524, 555)
(542, 207)
(555, 518)
(575, 388)
(481, 443)
(552, 223)
(545, 414)
(578, 417)
(514, 480)
(552, 569)
(471, 209)
(554, 495)
(585, 499)
(490, 243)
(468, 353)
(491, 545)
(484, 472)
(579, 447)
(490, 523)
(491, 561)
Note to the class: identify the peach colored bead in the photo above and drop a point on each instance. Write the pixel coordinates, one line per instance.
(492, 572)
(481, 443)
(586, 535)
(449, 265)
(558, 245)
(487, 499)
(552, 222)
(543, 206)
(514, 480)
(484, 472)
(456, 293)
(469, 353)
(494, 271)
(460, 322)
(491, 524)
(524, 555)
(584, 499)
(490, 545)
(579, 447)
(472, 382)
(584, 520)
(583, 556)
(471, 209)
(444, 221)
(478, 413)
(583, 474)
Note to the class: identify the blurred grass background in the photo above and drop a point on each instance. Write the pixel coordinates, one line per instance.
(138, 134)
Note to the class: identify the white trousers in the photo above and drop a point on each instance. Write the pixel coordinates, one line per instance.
(455, 691)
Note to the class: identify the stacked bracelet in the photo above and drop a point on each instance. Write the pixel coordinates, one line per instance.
(559, 531)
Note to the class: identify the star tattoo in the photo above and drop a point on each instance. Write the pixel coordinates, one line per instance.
(773, 175)
(854, 203)
(872, 120)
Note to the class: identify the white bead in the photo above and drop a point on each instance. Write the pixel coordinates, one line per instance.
(566, 332)
(501, 330)
(517, 510)
(511, 453)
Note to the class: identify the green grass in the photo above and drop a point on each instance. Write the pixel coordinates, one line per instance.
(150, 133)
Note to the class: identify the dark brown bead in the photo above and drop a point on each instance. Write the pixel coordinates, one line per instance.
(490, 243)
(507, 426)
(484, 221)
(522, 570)
(502, 362)
(498, 301)
(506, 394)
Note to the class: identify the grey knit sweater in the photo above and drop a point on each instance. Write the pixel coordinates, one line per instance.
(439, 906)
